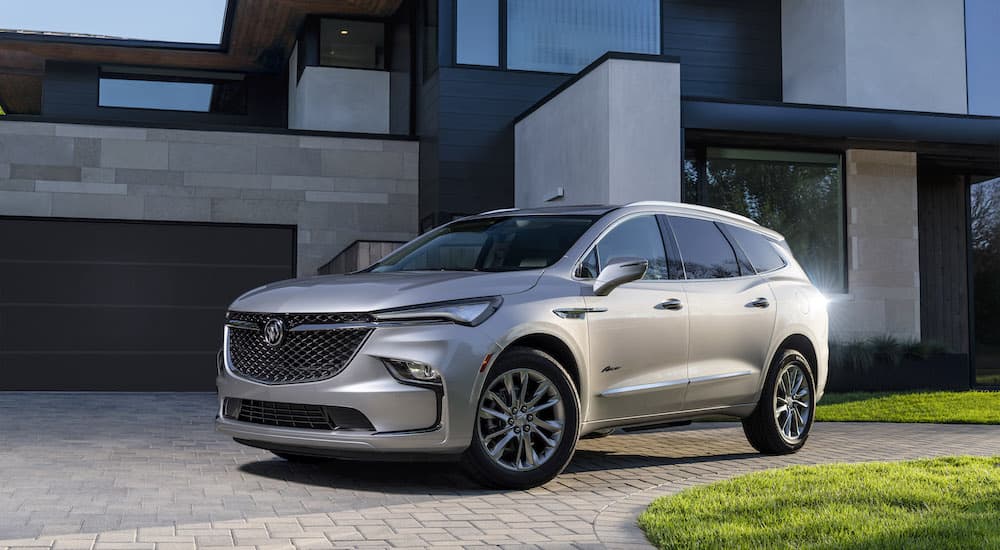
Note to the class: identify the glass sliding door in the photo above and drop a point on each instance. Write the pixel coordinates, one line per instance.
(984, 220)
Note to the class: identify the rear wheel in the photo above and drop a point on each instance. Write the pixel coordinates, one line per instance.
(527, 421)
(784, 415)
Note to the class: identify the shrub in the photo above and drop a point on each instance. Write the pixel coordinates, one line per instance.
(861, 356)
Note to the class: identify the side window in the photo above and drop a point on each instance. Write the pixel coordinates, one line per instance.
(588, 268)
(704, 249)
(761, 250)
(637, 237)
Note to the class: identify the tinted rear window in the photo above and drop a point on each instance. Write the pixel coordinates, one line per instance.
(704, 249)
(759, 248)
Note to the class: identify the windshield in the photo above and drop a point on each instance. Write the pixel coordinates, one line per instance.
(490, 244)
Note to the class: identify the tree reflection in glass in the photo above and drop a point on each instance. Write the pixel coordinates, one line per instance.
(984, 225)
(800, 195)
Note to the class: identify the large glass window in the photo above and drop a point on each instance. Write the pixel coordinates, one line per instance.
(173, 94)
(704, 249)
(352, 44)
(565, 36)
(982, 42)
(984, 222)
(800, 195)
(477, 32)
(490, 244)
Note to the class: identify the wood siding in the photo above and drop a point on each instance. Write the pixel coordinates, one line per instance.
(944, 289)
(728, 48)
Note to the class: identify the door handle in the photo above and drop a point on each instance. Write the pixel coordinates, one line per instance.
(672, 304)
(759, 302)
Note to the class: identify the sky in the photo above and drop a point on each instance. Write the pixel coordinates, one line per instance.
(195, 21)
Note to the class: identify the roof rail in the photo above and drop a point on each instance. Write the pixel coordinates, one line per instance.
(498, 211)
(706, 209)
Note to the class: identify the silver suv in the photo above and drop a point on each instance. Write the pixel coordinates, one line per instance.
(500, 339)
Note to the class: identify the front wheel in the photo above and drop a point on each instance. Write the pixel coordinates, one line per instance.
(527, 421)
(784, 415)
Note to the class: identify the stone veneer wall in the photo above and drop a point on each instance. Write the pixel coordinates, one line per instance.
(335, 190)
(883, 256)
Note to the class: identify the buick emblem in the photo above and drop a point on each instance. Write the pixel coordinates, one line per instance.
(274, 331)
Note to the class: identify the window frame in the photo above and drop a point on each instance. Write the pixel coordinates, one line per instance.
(699, 154)
(503, 42)
(668, 249)
(141, 74)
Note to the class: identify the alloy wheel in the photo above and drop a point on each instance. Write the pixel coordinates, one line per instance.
(792, 402)
(521, 419)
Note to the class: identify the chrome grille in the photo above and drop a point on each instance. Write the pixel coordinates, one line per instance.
(293, 320)
(302, 356)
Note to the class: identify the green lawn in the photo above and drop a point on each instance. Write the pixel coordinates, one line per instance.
(970, 407)
(925, 504)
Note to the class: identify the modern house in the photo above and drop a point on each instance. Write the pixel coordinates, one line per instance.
(146, 183)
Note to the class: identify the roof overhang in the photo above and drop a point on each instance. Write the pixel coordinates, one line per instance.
(838, 122)
(258, 37)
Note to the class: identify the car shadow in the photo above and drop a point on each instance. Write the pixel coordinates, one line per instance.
(433, 477)
(588, 460)
(414, 477)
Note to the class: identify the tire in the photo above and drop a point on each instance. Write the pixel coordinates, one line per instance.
(514, 466)
(771, 430)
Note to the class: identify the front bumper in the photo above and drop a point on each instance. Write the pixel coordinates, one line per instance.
(406, 418)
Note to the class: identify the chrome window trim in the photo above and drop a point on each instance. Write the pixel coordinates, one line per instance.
(640, 388)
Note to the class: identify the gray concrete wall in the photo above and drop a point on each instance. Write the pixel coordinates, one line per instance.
(883, 249)
(611, 137)
(336, 190)
(889, 54)
(335, 99)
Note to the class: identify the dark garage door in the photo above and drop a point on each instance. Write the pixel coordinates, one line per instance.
(125, 306)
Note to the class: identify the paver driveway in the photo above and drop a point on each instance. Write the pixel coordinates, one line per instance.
(100, 471)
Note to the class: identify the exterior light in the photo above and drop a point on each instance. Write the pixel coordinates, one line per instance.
(412, 372)
(344, 32)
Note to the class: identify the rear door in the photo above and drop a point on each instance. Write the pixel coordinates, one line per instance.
(731, 316)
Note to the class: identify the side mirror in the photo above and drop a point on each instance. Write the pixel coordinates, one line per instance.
(619, 272)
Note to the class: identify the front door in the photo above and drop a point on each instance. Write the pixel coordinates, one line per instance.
(639, 332)
(731, 315)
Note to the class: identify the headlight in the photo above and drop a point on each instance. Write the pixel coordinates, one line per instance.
(464, 312)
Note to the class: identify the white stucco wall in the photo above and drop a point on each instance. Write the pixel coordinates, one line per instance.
(611, 137)
(335, 99)
(888, 54)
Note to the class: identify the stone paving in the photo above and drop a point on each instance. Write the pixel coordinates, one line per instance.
(147, 471)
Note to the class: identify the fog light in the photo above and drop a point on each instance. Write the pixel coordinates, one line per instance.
(412, 371)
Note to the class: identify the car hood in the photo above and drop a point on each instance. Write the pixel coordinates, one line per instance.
(375, 291)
